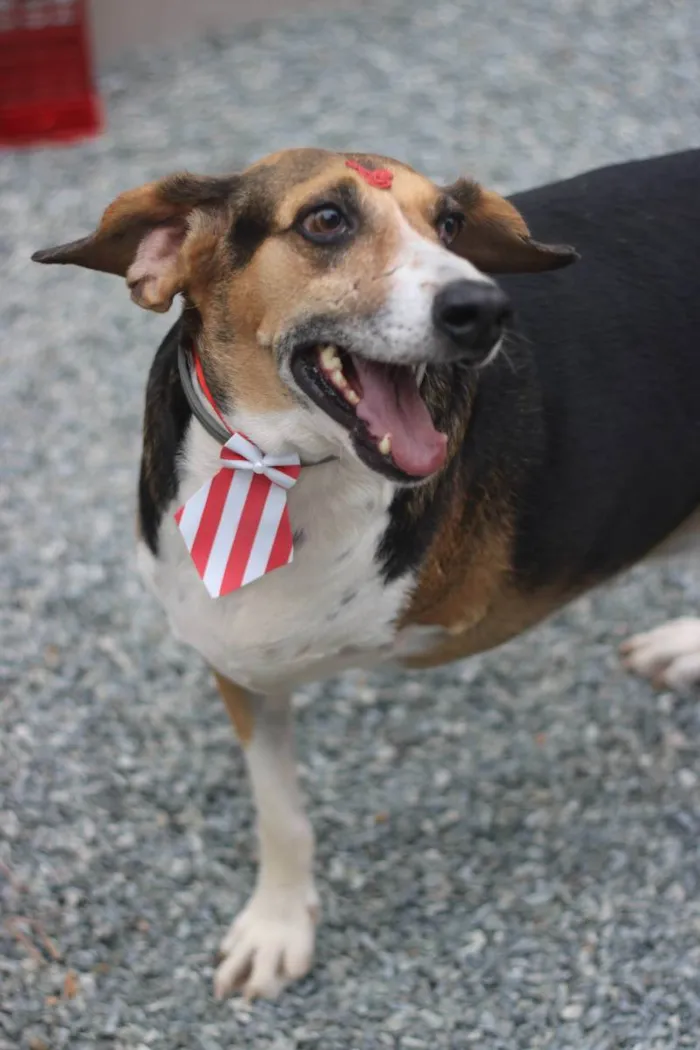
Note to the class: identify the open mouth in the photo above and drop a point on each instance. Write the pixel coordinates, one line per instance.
(379, 404)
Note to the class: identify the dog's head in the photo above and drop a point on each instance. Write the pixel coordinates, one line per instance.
(323, 285)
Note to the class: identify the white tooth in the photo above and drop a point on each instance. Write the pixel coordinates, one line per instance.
(384, 445)
(337, 378)
(352, 397)
(329, 358)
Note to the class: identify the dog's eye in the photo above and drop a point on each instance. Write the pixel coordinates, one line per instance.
(324, 224)
(449, 227)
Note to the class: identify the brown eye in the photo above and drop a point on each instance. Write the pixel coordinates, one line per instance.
(324, 225)
(449, 227)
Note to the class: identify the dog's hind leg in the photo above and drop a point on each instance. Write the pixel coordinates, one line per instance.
(272, 940)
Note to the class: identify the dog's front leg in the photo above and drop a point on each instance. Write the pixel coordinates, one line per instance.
(272, 940)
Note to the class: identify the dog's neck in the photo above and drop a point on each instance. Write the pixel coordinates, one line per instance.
(331, 476)
(274, 433)
(325, 483)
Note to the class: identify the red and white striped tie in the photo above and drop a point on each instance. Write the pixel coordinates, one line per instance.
(236, 526)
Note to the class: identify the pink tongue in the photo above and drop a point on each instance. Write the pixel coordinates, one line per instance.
(391, 404)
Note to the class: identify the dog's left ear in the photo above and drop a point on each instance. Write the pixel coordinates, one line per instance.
(495, 236)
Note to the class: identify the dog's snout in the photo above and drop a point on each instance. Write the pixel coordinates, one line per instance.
(471, 314)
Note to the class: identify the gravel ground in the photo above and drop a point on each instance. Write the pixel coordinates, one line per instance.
(509, 849)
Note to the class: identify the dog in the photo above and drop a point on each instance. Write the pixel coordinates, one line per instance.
(391, 426)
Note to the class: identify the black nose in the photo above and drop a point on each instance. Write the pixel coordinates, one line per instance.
(471, 314)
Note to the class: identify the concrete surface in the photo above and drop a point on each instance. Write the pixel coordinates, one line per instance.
(509, 850)
(121, 25)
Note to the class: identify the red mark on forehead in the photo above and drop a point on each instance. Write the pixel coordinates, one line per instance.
(380, 178)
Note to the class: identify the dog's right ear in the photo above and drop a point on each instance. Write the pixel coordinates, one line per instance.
(146, 235)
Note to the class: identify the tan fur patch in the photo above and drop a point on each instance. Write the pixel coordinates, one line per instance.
(250, 373)
(416, 196)
(114, 245)
(496, 237)
(466, 584)
(144, 201)
(296, 196)
(239, 707)
(465, 570)
(508, 613)
(492, 208)
(201, 256)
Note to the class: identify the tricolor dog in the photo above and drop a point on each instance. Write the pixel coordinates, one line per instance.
(363, 444)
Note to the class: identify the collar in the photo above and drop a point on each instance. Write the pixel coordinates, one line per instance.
(215, 425)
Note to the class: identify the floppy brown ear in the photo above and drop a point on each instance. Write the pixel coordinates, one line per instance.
(142, 236)
(495, 236)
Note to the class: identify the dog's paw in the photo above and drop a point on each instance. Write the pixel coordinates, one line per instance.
(669, 655)
(269, 944)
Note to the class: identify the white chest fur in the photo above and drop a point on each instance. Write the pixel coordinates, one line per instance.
(330, 609)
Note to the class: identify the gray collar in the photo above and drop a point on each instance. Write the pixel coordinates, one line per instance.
(201, 411)
(213, 426)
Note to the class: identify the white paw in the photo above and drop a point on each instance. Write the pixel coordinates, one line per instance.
(269, 944)
(669, 655)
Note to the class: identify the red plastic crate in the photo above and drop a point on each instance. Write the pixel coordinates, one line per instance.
(46, 87)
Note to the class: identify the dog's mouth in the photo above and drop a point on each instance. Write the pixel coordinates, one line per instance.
(380, 405)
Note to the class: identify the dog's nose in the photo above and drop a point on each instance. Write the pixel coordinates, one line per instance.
(472, 315)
